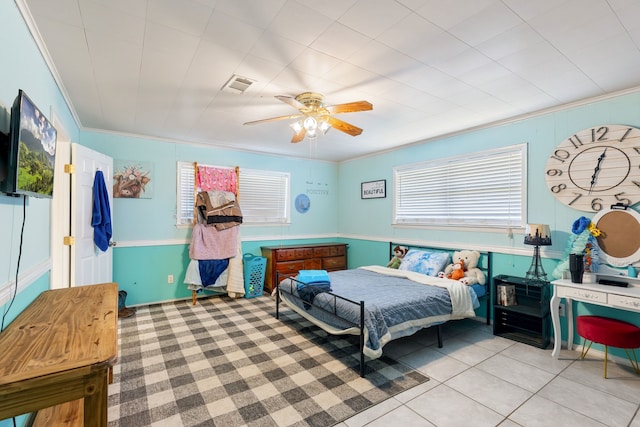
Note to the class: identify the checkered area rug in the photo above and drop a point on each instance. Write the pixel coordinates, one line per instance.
(230, 362)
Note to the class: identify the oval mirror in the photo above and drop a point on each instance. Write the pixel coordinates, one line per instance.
(619, 243)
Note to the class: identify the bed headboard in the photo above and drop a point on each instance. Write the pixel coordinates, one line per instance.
(484, 264)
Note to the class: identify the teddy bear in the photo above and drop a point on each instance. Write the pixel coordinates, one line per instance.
(398, 253)
(470, 260)
(457, 271)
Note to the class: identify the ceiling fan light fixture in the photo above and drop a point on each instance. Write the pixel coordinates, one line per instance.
(296, 126)
(314, 118)
(310, 124)
(324, 126)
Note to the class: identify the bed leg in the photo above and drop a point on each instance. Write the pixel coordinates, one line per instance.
(362, 366)
(439, 332)
(489, 310)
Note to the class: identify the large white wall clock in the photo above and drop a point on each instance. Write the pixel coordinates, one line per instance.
(596, 168)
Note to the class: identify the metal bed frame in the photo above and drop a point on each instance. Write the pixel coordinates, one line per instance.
(485, 266)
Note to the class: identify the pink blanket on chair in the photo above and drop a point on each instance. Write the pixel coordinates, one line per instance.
(209, 243)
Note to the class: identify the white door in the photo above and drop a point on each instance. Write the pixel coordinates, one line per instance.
(60, 215)
(89, 265)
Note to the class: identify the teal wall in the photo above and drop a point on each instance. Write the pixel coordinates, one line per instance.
(541, 133)
(23, 67)
(155, 219)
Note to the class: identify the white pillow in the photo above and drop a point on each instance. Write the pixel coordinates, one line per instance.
(425, 262)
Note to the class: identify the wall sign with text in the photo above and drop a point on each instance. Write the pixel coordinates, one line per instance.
(374, 189)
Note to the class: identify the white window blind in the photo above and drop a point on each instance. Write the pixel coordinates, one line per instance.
(186, 183)
(263, 195)
(474, 190)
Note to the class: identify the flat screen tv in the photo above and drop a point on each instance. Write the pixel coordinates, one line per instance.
(29, 151)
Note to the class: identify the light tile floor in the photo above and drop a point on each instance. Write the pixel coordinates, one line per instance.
(478, 379)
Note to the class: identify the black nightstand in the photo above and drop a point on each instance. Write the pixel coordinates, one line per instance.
(528, 320)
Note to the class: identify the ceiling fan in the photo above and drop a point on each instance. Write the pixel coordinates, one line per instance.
(314, 117)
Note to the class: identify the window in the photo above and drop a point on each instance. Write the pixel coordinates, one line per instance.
(264, 195)
(473, 190)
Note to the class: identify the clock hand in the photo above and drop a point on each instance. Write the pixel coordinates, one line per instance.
(597, 169)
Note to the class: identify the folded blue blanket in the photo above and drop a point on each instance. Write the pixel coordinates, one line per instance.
(313, 277)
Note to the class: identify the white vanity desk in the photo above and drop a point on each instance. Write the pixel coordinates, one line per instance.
(609, 296)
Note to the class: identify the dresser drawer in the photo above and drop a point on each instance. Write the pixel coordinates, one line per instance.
(293, 254)
(334, 263)
(329, 251)
(582, 294)
(290, 267)
(313, 264)
(628, 303)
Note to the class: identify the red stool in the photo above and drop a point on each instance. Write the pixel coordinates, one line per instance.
(609, 332)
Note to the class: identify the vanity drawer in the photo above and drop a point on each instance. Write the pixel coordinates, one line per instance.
(582, 294)
(628, 303)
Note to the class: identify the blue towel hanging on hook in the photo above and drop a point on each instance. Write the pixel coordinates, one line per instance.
(101, 215)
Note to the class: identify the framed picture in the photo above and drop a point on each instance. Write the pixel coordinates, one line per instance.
(374, 189)
(132, 179)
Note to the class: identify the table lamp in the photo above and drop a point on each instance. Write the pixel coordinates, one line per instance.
(537, 235)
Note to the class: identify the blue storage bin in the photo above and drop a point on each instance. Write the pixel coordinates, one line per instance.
(255, 268)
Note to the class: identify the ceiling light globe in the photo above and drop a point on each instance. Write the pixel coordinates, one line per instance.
(310, 124)
(297, 126)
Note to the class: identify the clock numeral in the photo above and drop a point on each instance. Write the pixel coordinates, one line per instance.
(578, 195)
(576, 141)
(637, 149)
(561, 155)
(625, 134)
(554, 172)
(596, 204)
(627, 202)
(636, 183)
(558, 188)
(601, 134)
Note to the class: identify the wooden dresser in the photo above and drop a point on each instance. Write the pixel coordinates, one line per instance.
(288, 260)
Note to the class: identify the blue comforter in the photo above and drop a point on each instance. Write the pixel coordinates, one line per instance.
(394, 306)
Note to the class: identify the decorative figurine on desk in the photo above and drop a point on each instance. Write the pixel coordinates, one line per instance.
(581, 242)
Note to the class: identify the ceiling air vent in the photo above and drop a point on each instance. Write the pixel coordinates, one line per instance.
(238, 84)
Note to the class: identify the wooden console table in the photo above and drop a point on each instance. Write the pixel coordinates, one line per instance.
(61, 349)
(609, 296)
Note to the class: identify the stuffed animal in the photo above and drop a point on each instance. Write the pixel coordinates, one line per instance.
(473, 274)
(398, 253)
(457, 271)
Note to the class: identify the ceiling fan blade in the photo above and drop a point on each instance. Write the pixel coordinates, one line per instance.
(297, 137)
(273, 119)
(350, 107)
(344, 126)
(291, 101)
